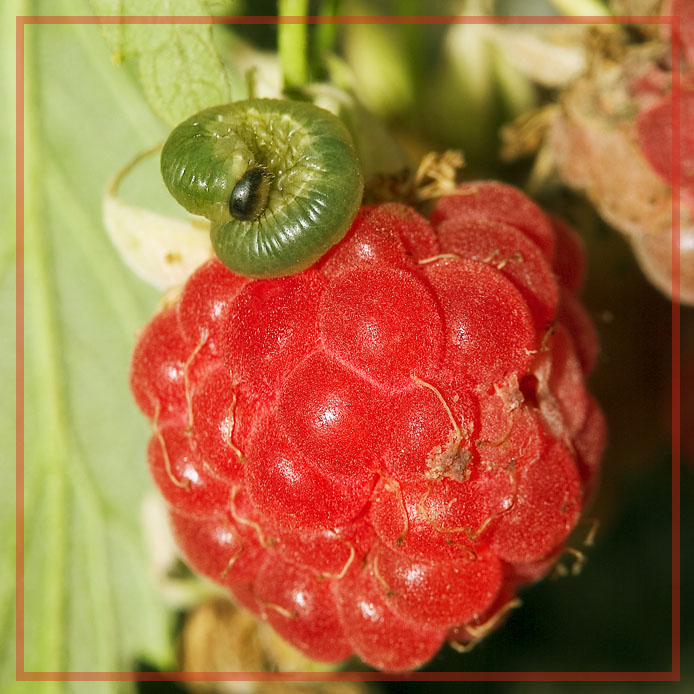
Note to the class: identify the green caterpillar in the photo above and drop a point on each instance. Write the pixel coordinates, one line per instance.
(279, 180)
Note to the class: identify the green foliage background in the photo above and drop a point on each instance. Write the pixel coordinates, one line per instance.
(90, 601)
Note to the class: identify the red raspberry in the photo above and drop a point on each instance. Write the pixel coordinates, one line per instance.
(375, 454)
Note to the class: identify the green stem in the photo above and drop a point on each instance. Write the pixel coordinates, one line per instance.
(292, 43)
(326, 34)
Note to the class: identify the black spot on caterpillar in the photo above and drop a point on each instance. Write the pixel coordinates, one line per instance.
(279, 180)
(250, 194)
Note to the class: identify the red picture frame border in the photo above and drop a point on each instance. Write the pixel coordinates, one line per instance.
(36, 676)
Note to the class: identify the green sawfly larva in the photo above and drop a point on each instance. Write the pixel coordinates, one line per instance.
(279, 180)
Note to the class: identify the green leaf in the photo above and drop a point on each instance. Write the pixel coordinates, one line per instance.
(91, 603)
(177, 65)
(7, 340)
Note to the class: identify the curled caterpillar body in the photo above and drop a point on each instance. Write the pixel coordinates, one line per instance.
(280, 182)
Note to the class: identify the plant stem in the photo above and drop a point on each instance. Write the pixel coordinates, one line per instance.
(326, 34)
(292, 43)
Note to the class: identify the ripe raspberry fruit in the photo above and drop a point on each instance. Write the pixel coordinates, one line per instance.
(373, 455)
